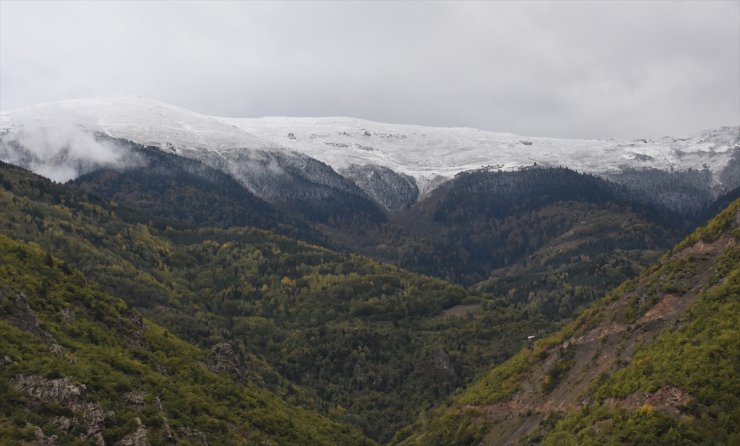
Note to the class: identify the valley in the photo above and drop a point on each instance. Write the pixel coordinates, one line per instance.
(312, 291)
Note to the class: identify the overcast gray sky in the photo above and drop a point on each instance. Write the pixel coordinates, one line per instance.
(571, 69)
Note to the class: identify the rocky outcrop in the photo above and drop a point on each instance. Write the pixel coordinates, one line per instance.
(137, 437)
(165, 422)
(136, 335)
(193, 435)
(222, 360)
(5, 360)
(41, 439)
(68, 315)
(90, 416)
(61, 390)
(56, 350)
(135, 398)
(18, 312)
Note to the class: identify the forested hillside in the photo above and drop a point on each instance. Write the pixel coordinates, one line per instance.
(166, 189)
(414, 223)
(653, 362)
(79, 366)
(363, 342)
(469, 230)
(550, 240)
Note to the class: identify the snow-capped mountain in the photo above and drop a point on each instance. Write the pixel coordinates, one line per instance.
(135, 118)
(393, 164)
(428, 153)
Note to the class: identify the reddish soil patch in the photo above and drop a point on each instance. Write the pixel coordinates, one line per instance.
(668, 308)
(700, 247)
(600, 332)
(667, 399)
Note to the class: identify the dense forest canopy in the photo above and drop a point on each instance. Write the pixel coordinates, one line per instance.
(369, 345)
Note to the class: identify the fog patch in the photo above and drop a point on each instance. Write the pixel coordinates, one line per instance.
(62, 153)
(274, 167)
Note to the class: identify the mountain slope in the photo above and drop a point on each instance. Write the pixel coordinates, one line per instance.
(653, 363)
(169, 187)
(79, 366)
(482, 226)
(365, 343)
(71, 138)
(535, 236)
(429, 155)
(550, 239)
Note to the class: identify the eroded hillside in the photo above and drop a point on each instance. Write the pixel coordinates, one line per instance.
(654, 362)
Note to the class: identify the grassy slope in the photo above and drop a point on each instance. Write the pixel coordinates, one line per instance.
(654, 362)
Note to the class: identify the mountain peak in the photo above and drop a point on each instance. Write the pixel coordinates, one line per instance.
(429, 155)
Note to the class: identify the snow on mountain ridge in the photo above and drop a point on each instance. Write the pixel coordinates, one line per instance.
(428, 154)
(139, 119)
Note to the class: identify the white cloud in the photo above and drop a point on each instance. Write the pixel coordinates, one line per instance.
(62, 153)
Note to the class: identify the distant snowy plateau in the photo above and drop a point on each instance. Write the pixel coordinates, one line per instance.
(393, 164)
